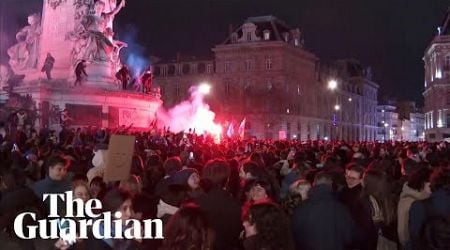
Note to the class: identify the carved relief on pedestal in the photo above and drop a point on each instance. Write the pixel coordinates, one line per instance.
(92, 37)
(55, 3)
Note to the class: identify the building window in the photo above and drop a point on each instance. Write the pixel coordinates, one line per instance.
(186, 69)
(248, 64)
(447, 63)
(164, 71)
(172, 70)
(234, 37)
(448, 98)
(266, 34)
(201, 68)
(298, 89)
(448, 120)
(269, 85)
(209, 68)
(249, 36)
(177, 89)
(227, 86)
(268, 64)
(247, 85)
(227, 67)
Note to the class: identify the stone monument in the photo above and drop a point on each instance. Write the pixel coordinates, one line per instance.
(72, 31)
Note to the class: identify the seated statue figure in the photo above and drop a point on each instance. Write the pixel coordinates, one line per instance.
(24, 54)
(93, 44)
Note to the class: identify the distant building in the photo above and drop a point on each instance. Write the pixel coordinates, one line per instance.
(437, 84)
(389, 123)
(262, 71)
(400, 121)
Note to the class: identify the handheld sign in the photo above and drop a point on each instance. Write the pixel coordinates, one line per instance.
(119, 157)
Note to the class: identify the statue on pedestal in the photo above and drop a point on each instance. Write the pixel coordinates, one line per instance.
(92, 38)
(24, 54)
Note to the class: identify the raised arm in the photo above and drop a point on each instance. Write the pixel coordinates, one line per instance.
(117, 9)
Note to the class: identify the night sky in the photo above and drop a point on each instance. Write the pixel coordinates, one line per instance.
(389, 35)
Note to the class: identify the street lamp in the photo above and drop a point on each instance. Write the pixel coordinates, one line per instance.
(332, 84)
(337, 107)
(385, 131)
(204, 88)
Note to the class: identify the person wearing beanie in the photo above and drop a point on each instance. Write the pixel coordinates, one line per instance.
(190, 178)
(187, 176)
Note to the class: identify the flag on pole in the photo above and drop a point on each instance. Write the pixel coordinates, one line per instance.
(230, 131)
(241, 129)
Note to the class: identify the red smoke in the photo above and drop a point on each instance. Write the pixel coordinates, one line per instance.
(191, 114)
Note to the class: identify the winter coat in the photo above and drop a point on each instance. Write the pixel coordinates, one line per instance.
(359, 208)
(407, 197)
(322, 222)
(439, 202)
(224, 215)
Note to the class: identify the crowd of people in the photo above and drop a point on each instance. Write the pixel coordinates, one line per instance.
(239, 194)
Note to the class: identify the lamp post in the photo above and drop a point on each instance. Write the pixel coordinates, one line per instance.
(332, 85)
(386, 125)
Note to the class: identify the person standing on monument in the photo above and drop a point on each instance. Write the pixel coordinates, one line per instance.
(124, 76)
(48, 66)
(80, 70)
(146, 80)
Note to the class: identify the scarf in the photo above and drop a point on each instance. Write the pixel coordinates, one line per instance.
(164, 208)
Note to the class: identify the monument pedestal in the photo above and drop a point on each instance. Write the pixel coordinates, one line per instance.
(89, 106)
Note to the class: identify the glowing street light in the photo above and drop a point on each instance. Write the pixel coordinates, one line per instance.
(204, 88)
(386, 125)
(332, 84)
(337, 107)
(349, 99)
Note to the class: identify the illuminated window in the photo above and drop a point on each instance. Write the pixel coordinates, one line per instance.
(209, 68)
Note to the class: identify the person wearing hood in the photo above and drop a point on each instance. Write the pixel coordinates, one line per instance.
(99, 163)
(189, 178)
(417, 188)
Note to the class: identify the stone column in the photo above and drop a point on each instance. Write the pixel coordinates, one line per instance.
(57, 21)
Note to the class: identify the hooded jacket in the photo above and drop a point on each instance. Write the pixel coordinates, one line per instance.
(407, 197)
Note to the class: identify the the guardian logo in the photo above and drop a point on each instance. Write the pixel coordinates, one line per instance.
(75, 226)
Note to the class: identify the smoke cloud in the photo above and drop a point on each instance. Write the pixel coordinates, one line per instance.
(190, 114)
(133, 55)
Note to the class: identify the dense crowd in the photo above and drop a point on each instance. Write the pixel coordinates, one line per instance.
(239, 194)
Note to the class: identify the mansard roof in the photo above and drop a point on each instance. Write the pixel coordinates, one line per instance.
(278, 30)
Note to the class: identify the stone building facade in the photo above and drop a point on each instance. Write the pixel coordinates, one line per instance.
(263, 72)
(437, 84)
(401, 121)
